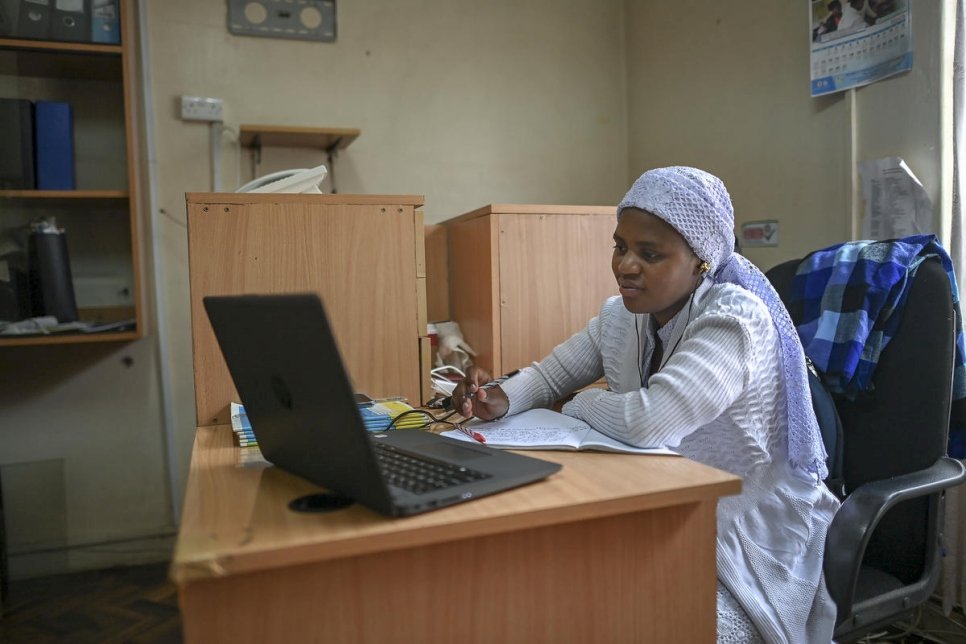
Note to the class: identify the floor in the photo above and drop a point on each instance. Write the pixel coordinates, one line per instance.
(929, 625)
(136, 604)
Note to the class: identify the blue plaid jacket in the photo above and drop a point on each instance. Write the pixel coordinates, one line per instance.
(851, 297)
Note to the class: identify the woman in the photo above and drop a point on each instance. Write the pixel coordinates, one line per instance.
(700, 355)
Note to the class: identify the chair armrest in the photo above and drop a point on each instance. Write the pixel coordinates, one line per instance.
(853, 524)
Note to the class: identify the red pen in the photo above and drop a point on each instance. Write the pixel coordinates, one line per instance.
(474, 435)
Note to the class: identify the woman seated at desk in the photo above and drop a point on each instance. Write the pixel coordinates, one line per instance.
(701, 356)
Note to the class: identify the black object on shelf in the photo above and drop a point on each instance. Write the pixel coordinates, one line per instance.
(3, 556)
(17, 132)
(51, 284)
(9, 306)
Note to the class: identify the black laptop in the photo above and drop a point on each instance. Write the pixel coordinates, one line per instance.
(286, 366)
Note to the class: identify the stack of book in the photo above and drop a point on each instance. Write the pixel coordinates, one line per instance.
(376, 416)
(242, 427)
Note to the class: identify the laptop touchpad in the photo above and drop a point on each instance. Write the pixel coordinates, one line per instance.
(451, 452)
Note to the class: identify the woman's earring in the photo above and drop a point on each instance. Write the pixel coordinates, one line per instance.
(704, 267)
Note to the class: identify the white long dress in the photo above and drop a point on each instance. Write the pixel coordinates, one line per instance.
(719, 399)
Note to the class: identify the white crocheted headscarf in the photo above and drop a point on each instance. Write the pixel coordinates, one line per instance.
(698, 206)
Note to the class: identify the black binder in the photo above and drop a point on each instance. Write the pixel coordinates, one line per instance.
(16, 131)
(51, 284)
(71, 20)
(34, 19)
(8, 18)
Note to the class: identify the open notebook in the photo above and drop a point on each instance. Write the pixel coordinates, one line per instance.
(546, 429)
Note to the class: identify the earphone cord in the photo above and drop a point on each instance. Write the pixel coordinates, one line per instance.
(640, 367)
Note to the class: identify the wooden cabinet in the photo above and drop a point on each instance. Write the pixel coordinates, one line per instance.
(100, 215)
(523, 278)
(363, 254)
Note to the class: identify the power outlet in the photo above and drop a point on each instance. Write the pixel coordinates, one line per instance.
(200, 108)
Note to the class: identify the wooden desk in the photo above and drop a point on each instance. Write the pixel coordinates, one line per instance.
(614, 548)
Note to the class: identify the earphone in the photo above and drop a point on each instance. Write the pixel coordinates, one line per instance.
(703, 267)
(640, 360)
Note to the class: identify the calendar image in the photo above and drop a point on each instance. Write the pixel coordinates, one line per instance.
(857, 42)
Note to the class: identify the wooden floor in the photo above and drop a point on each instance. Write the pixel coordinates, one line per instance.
(136, 604)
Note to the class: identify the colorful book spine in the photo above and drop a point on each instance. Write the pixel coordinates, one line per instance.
(241, 426)
(376, 417)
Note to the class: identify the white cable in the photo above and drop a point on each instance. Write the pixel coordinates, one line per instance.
(215, 143)
(442, 384)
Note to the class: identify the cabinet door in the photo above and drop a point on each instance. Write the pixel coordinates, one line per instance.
(554, 275)
(360, 259)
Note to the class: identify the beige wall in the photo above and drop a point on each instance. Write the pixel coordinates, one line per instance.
(731, 94)
(903, 117)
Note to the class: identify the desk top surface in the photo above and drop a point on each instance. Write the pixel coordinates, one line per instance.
(236, 518)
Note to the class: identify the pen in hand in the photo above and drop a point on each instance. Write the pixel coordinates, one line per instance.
(496, 382)
(485, 400)
(469, 432)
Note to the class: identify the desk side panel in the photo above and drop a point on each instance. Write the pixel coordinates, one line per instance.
(359, 258)
(473, 281)
(437, 273)
(554, 275)
(640, 577)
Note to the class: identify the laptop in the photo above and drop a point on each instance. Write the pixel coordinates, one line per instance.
(286, 366)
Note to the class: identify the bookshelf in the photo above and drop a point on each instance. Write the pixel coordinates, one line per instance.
(100, 217)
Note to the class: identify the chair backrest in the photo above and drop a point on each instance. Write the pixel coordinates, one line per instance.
(903, 424)
(830, 424)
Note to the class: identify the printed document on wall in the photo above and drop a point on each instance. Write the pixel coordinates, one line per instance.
(896, 203)
(857, 42)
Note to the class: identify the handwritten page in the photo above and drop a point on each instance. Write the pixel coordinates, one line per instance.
(546, 429)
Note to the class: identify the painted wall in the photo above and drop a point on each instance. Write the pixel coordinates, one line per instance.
(731, 95)
(903, 116)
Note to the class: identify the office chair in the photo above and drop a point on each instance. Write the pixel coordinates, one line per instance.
(883, 550)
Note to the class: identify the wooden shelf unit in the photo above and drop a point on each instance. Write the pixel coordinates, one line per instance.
(105, 206)
(63, 194)
(322, 138)
(57, 46)
(327, 139)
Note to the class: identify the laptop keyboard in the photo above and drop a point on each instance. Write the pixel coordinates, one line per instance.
(418, 474)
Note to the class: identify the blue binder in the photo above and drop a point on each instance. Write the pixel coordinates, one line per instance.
(104, 22)
(54, 149)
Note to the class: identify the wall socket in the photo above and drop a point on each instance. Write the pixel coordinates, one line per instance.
(201, 108)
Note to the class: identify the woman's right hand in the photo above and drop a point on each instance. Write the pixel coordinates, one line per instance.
(470, 398)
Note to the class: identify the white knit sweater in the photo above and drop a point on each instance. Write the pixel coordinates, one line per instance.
(718, 399)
